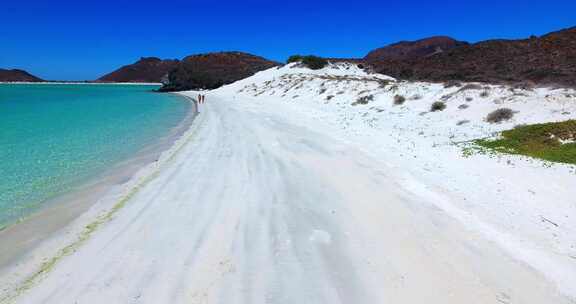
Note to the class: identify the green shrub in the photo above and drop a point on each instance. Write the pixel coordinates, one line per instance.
(294, 58)
(314, 62)
(438, 106)
(310, 61)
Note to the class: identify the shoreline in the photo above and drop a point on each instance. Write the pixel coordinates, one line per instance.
(79, 82)
(187, 229)
(22, 237)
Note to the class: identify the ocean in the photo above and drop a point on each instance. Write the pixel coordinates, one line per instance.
(56, 137)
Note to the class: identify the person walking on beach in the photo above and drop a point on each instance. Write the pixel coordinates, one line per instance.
(201, 98)
(198, 102)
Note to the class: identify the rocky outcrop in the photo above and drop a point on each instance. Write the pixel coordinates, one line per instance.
(17, 76)
(545, 60)
(212, 70)
(147, 69)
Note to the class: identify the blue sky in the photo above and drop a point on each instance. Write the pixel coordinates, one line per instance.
(66, 40)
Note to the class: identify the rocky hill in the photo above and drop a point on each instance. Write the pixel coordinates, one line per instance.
(212, 70)
(414, 49)
(17, 76)
(549, 59)
(147, 69)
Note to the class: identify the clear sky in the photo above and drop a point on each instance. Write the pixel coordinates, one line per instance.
(83, 39)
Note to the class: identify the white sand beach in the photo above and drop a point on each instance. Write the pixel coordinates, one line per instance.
(278, 194)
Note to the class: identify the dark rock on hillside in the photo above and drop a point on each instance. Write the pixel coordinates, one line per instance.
(546, 60)
(147, 69)
(17, 76)
(414, 49)
(212, 70)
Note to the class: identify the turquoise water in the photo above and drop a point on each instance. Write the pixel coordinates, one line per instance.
(54, 137)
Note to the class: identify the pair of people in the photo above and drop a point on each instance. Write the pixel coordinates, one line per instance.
(201, 98)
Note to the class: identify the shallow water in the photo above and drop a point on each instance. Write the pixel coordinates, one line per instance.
(55, 137)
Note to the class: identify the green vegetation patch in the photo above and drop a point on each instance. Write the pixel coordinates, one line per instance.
(554, 141)
(310, 61)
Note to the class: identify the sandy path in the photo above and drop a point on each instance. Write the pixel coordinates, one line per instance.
(260, 209)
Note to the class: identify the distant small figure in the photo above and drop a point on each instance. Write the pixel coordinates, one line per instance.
(201, 98)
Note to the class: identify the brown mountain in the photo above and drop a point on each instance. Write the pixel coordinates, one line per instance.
(414, 49)
(17, 76)
(147, 69)
(212, 70)
(549, 59)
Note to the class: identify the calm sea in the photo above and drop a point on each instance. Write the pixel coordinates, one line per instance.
(54, 137)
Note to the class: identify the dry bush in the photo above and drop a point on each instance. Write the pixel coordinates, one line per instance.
(452, 83)
(526, 86)
(500, 115)
(470, 86)
(363, 100)
(399, 99)
(382, 83)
